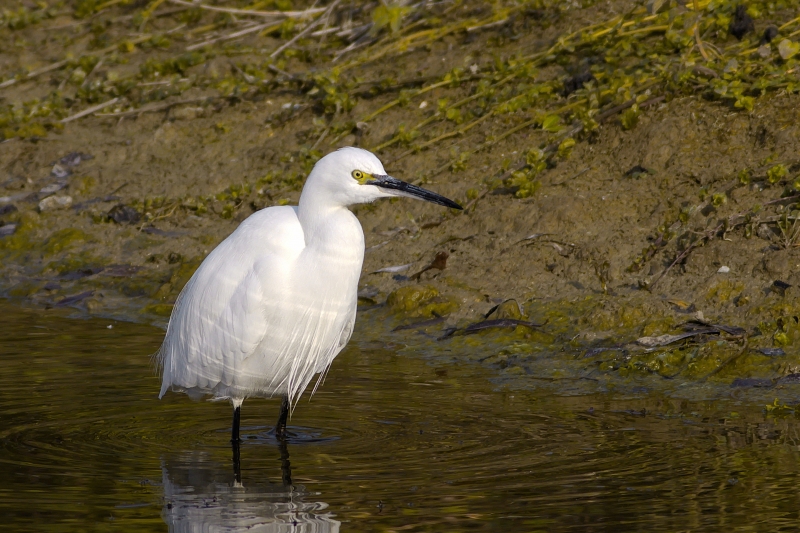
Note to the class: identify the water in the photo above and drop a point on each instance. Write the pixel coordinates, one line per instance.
(389, 443)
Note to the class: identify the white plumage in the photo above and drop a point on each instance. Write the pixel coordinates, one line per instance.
(246, 325)
(275, 302)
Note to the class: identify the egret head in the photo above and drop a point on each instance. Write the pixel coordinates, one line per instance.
(351, 176)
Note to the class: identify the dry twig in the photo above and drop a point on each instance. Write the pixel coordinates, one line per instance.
(308, 29)
(233, 11)
(89, 111)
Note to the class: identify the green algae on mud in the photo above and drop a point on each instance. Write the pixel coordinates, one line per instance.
(622, 169)
(416, 301)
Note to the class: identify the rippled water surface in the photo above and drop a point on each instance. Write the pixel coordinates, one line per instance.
(390, 443)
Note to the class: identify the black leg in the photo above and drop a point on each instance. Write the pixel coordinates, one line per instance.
(237, 464)
(235, 441)
(280, 427)
(237, 412)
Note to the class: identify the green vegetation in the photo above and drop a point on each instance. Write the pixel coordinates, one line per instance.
(615, 69)
(623, 63)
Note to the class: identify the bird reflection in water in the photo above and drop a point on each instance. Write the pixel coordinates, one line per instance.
(201, 495)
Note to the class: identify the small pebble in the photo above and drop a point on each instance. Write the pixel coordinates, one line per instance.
(723, 269)
(790, 378)
(60, 172)
(124, 214)
(770, 33)
(780, 287)
(188, 113)
(7, 229)
(51, 203)
(74, 159)
(13, 198)
(742, 23)
(52, 188)
(576, 82)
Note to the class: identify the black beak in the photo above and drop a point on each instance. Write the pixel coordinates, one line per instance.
(388, 182)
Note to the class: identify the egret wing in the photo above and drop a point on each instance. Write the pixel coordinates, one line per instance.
(223, 313)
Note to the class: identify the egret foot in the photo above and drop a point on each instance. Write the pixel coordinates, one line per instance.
(280, 427)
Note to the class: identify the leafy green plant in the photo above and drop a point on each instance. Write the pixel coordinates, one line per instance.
(777, 173)
(389, 16)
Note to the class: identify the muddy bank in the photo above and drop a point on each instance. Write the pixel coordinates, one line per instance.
(602, 208)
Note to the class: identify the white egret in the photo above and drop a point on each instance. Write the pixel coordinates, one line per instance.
(275, 302)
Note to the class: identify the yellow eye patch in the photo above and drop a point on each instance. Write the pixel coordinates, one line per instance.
(361, 177)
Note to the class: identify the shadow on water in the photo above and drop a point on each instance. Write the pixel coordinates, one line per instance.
(201, 494)
(391, 442)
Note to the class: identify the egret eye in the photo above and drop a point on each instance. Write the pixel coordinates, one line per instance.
(358, 175)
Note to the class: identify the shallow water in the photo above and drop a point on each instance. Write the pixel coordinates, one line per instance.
(389, 443)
